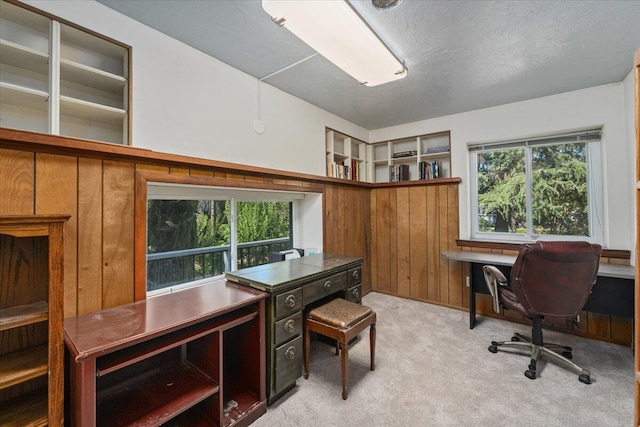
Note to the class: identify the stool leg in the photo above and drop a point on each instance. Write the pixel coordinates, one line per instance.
(344, 355)
(307, 347)
(372, 345)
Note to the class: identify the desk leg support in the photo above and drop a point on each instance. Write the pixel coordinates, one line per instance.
(472, 307)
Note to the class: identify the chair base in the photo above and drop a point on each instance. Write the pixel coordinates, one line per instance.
(537, 351)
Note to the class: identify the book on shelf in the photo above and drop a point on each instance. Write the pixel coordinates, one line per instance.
(345, 170)
(429, 170)
(399, 173)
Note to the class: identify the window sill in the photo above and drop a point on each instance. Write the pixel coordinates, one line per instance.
(513, 246)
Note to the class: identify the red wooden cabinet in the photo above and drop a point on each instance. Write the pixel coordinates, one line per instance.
(192, 357)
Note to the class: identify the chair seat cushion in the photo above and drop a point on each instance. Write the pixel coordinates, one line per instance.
(340, 313)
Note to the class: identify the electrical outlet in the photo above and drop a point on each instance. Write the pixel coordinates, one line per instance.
(468, 281)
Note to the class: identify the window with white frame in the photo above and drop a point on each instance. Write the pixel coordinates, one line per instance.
(539, 188)
(196, 233)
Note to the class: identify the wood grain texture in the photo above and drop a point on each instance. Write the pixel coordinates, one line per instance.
(403, 236)
(382, 228)
(89, 235)
(17, 175)
(57, 193)
(418, 242)
(118, 232)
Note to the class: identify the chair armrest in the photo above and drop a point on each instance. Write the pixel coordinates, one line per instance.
(494, 278)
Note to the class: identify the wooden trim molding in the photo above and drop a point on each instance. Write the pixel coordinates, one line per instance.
(54, 144)
(512, 246)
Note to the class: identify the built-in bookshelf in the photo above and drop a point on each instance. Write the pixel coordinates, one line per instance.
(346, 157)
(413, 158)
(59, 79)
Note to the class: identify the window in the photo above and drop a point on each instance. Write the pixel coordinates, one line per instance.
(195, 234)
(539, 188)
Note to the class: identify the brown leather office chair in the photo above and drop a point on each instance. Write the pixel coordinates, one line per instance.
(548, 280)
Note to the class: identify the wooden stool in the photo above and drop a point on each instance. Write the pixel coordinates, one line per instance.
(341, 320)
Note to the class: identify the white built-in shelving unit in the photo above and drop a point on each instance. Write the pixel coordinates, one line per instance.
(59, 79)
(346, 157)
(416, 153)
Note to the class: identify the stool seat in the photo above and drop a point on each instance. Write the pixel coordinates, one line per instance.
(340, 320)
(340, 313)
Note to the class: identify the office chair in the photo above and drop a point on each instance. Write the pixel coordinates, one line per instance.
(548, 280)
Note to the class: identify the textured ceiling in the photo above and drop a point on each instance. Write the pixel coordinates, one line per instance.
(461, 55)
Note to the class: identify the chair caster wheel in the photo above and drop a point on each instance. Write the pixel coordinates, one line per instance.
(515, 338)
(530, 374)
(567, 354)
(585, 379)
(494, 343)
(493, 349)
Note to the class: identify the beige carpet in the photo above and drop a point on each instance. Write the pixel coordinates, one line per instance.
(431, 370)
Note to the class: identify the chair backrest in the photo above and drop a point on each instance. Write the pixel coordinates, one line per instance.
(555, 278)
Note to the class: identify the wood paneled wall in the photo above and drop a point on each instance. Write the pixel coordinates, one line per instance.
(400, 230)
(410, 227)
(99, 194)
(346, 230)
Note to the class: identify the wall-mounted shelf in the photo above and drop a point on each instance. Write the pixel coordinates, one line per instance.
(88, 96)
(346, 157)
(413, 158)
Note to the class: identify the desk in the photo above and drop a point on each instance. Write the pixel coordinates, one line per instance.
(185, 355)
(293, 286)
(612, 294)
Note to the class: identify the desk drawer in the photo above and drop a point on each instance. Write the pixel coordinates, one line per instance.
(355, 276)
(288, 363)
(288, 303)
(354, 294)
(323, 287)
(288, 328)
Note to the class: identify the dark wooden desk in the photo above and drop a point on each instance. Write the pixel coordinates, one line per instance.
(293, 286)
(180, 357)
(613, 293)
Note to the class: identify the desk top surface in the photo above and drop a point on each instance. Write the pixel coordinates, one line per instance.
(293, 272)
(606, 270)
(107, 330)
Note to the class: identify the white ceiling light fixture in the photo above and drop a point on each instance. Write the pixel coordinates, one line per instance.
(336, 31)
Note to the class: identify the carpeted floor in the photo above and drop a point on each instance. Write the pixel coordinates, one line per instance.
(431, 370)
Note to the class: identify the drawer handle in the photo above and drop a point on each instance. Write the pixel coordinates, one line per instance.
(356, 274)
(327, 285)
(290, 301)
(356, 293)
(290, 353)
(289, 325)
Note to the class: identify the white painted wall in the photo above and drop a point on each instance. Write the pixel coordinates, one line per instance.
(594, 107)
(185, 102)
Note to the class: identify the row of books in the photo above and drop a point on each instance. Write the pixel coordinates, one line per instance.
(398, 173)
(426, 170)
(344, 170)
(429, 170)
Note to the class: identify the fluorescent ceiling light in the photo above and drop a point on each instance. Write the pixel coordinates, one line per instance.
(336, 31)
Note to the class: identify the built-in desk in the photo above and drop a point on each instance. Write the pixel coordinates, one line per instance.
(293, 286)
(612, 294)
(193, 357)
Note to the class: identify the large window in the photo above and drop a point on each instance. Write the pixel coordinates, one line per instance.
(539, 188)
(195, 234)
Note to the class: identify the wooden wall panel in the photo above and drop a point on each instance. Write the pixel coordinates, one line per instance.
(433, 244)
(393, 240)
(346, 219)
(383, 262)
(57, 193)
(17, 178)
(89, 235)
(403, 236)
(418, 242)
(118, 230)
